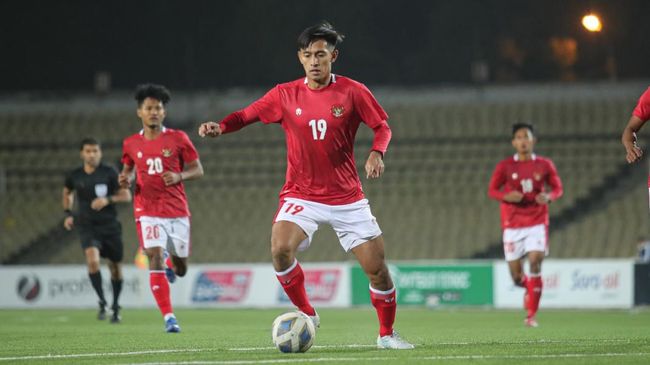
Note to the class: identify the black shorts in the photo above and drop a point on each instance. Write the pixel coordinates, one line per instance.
(106, 237)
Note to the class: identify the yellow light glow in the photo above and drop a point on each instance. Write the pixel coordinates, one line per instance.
(592, 23)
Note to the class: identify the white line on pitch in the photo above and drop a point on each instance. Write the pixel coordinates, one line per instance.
(313, 347)
(72, 356)
(401, 360)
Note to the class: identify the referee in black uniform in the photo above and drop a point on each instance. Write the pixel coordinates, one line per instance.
(100, 232)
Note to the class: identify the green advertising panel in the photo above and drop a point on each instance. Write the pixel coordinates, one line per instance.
(432, 285)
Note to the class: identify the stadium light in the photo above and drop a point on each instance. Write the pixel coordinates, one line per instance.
(592, 22)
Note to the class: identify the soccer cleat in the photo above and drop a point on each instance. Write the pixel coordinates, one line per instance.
(394, 342)
(531, 322)
(115, 317)
(315, 319)
(171, 325)
(101, 314)
(169, 272)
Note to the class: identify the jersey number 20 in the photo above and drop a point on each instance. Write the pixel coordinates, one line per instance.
(155, 165)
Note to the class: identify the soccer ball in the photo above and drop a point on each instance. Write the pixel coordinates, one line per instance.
(293, 332)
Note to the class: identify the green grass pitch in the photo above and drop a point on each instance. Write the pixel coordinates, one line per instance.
(346, 336)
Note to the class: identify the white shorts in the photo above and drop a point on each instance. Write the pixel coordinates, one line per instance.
(172, 234)
(517, 242)
(353, 223)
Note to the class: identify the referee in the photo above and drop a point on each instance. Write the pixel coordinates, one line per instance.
(100, 232)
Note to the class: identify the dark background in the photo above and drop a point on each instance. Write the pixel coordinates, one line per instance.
(61, 45)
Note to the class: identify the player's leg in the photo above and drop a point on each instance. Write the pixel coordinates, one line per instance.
(113, 250)
(535, 246)
(286, 237)
(382, 292)
(91, 251)
(154, 239)
(179, 244)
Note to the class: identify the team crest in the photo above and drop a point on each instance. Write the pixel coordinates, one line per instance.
(337, 110)
(166, 152)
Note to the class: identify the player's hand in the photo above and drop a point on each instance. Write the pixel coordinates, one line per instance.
(210, 129)
(543, 198)
(68, 223)
(171, 178)
(99, 203)
(374, 165)
(513, 197)
(633, 152)
(124, 181)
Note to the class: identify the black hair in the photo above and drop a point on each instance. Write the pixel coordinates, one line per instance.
(518, 126)
(323, 30)
(88, 141)
(153, 91)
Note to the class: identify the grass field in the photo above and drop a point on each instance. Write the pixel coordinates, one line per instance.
(346, 336)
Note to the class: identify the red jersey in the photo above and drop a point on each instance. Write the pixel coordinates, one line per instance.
(170, 151)
(320, 127)
(529, 177)
(642, 111)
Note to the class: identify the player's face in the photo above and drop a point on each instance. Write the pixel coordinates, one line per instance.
(317, 60)
(152, 113)
(523, 141)
(91, 155)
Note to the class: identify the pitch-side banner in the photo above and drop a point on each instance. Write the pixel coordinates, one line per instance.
(572, 284)
(232, 285)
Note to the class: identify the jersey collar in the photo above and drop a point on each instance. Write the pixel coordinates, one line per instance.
(332, 79)
(533, 157)
(163, 130)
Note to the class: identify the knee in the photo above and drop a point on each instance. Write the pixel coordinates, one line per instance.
(281, 251)
(379, 275)
(93, 266)
(156, 261)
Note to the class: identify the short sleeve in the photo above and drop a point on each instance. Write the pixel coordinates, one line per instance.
(126, 157)
(642, 110)
(188, 151)
(69, 182)
(368, 108)
(268, 108)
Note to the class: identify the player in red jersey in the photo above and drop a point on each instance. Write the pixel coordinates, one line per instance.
(520, 184)
(320, 115)
(163, 158)
(640, 115)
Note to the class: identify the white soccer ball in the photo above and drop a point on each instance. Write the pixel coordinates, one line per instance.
(293, 332)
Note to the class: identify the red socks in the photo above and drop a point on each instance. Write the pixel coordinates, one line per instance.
(534, 291)
(160, 290)
(386, 306)
(293, 283)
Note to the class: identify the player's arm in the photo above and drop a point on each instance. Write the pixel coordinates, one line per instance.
(68, 202)
(497, 181)
(126, 176)
(555, 184)
(632, 151)
(375, 162)
(123, 195)
(266, 109)
(193, 170)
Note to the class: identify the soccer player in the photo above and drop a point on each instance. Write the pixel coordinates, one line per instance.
(640, 115)
(163, 158)
(520, 183)
(98, 191)
(320, 115)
